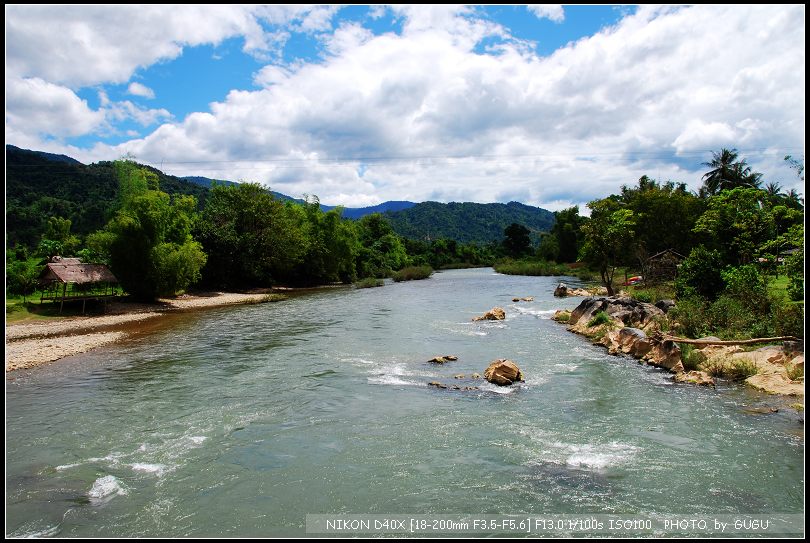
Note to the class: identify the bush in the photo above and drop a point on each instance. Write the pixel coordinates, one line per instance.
(700, 275)
(789, 319)
(747, 284)
(795, 372)
(369, 282)
(413, 273)
(734, 370)
(600, 318)
(692, 317)
(731, 318)
(691, 358)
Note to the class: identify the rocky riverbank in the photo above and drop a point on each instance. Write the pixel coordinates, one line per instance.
(626, 326)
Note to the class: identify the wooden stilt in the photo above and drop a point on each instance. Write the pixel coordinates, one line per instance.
(62, 303)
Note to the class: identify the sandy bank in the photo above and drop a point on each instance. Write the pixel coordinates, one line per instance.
(32, 344)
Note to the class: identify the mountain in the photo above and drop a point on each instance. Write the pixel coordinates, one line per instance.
(40, 185)
(468, 222)
(207, 181)
(42, 154)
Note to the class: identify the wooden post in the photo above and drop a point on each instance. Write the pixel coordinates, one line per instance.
(84, 301)
(64, 291)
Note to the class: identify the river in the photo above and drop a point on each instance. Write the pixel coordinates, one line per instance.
(239, 421)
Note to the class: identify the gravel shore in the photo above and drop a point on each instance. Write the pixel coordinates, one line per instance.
(31, 344)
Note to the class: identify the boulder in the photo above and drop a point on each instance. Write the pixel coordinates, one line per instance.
(696, 378)
(528, 299)
(775, 383)
(475, 376)
(634, 341)
(561, 315)
(459, 376)
(666, 355)
(436, 384)
(628, 311)
(515, 299)
(494, 314)
(561, 291)
(503, 372)
(665, 305)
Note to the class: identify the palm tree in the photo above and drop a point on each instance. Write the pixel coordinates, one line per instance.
(722, 164)
(793, 200)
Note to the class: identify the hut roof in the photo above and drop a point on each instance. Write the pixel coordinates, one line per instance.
(71, 270)
(665, 252)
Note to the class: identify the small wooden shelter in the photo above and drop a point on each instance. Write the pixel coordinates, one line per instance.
(70, 279)
(662, 266)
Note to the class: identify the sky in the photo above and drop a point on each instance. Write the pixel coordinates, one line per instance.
(548, 105)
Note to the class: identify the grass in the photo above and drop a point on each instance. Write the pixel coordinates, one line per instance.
(691, 358)
(32, 310)
(600, 318)
(531, 267)
(795, 372)
(734, 370)
(652, 293)
(413, 273)
(369, 282)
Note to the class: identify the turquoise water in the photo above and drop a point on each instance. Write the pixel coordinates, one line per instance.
(240, 421)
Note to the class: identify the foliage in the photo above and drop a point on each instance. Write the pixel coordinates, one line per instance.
(599, 318)
(794, 267)
(607, 237)
(748, 285)
(700, 274)
(565, 235)
(151, 250)
(22, 276)
(728, 173)
(652, 294)
(737, 223)
(251, 238)
(789, 319)
(530, 267)
(734, 369)
(369, 282)
(516, 242)
(691, 358)
(412, 273)
(381, 251)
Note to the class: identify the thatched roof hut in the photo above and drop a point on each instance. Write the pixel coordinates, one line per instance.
(72, 270)
(662, 266)
(76, 281)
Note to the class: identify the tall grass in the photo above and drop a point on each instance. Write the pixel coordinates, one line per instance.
(369, 282)
(531, 267)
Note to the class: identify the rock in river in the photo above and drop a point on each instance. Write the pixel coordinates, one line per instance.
(494, 314)
(503, 372)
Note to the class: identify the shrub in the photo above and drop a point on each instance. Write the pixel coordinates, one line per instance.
(789, 319)
(692, 317)
(734, 370)
(699, 274)
(369, 282)
(795, 372)
(600, 318)
(531, 267)
(691, 358)
(413, 273)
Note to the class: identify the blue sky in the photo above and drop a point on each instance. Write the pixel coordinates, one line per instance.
(549, 104)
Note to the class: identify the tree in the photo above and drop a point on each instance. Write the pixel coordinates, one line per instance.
(728, 173)
(517, 241)
(382, 251)
(251, 238)
(152, 252)
(566, 234)
(700, 274)
(607, 237)
(22, 276)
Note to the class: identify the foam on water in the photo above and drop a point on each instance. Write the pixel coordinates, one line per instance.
(157, 469)
(599, 456)
(107, 486)
(391, 380)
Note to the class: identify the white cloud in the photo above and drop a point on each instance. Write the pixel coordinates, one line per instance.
(138, 89)
(34, 106)
(553, 12)
(435, 118)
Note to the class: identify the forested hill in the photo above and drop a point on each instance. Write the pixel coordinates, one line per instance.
(467, 222)
(40, 185)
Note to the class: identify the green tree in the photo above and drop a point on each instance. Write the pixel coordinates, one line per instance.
(566, 232)
(700, 274)
(737, 223)
(251, 238)
(151, 250)
(607, 237)
(22, 276)
(517, 241)
(728, 173)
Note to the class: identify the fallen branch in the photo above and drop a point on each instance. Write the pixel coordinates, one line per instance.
(753, 341)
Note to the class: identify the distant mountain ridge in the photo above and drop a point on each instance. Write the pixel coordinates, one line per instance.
(40, 184)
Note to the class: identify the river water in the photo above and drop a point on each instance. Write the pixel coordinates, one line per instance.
(239, 421)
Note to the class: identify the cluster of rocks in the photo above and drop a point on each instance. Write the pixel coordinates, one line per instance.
(634, 329)
(501, 372)
(443, 359)
(524, 299)
(564, 290)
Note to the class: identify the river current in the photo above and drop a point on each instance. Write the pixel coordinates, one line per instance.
(240, 421)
